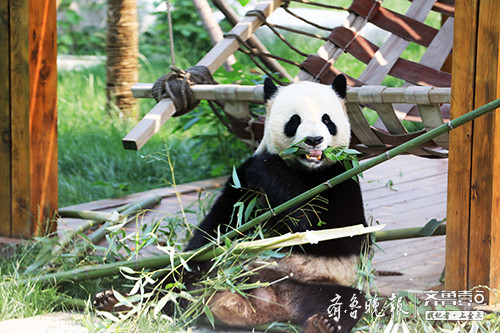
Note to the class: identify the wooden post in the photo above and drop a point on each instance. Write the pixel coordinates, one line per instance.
(473, 235)
(28, 146)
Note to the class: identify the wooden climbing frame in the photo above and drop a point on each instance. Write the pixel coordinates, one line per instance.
(388, 131)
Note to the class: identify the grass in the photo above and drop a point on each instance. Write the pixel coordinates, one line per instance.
(92, 162)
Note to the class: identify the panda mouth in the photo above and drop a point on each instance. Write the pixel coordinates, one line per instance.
(314, 156)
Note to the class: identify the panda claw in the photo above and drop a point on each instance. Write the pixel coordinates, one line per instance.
(321, 324)
(105, 300)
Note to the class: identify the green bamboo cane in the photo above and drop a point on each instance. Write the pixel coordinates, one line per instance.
(162, 261)
(95, 218)
(84, 214)
(365, 166)
(397, 234)
(102, 230)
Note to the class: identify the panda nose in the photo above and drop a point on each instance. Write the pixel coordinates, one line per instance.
(313, 140)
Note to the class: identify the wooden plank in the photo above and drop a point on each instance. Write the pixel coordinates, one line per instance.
(395, 23)
(43, 115)
(484, 244)
(5, 91)
(410, 71)
(108, 204)
(19, 59)
(446, 7)
(360, 126)
(393, 47)
(331, 52)
(212, 60)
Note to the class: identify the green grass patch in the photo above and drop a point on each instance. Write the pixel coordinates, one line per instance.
(92, 162)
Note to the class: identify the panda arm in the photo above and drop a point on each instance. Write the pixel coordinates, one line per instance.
(221, 212)
(269, 174)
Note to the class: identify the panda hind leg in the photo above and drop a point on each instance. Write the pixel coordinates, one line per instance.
(258, 307)
(319, 308)
(325, 308)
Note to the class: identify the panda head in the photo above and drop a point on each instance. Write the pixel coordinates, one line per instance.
(310, 115)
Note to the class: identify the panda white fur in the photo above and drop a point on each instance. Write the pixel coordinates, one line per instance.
(314, 281)
(314, 116)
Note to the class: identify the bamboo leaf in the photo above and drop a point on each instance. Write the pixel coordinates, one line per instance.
(185, 265)
(239, 215)
(136, 287)
(289, 151)
(163, 301)
(250, 208)
(236, 180)
(430, 227)
(122, 299)
(209, 315)
(109, 316)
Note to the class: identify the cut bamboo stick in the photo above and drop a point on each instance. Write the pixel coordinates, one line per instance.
(388, 235)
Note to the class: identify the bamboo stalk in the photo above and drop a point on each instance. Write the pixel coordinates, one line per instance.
(293, 239)
(80, 249)
(128, 209)
(86, 215)
(365, 166)
(94, 218)
(165, 260)
(388, 235)
(162, 261)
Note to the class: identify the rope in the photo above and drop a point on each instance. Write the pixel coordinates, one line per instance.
(171, 33)
(285, 7)
(177, 86)
(252, 52)
(262, 16)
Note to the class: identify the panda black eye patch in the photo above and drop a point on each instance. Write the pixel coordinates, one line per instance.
(332, 128)
(292, 125)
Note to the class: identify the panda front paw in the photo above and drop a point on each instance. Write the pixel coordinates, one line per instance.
(105, 300)
(322, 324)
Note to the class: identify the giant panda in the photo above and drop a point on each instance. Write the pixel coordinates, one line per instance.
(311, 286)
(314, 116)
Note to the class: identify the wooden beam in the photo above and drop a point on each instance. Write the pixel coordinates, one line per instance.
(152, 122)
(362, 95)
(43, 115)
(484, 251)
(28, 144)
(5, 91)
(20, 141)
(473, 235)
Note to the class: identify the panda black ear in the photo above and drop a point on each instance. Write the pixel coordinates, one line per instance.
(339, 85)
(269, 89)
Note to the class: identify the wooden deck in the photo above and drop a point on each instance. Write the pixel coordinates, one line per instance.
(407, 191)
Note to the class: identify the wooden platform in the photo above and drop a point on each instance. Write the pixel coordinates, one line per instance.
(407, 191)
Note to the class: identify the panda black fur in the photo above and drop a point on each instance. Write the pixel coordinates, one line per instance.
(314, 280)
(314, 114)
